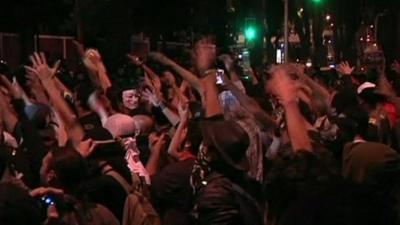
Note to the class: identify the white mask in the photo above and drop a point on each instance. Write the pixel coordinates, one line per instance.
(130, 99)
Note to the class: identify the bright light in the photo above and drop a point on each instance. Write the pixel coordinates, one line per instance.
(328, 17)
(250, 33)
(316, 1)
(309, 63)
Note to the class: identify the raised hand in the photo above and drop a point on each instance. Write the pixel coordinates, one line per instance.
(284, 87)
(183, 110)
(161, 142)
(41, 68)
(151, 97)
(157, 85)
(92, 59)
(345, 69)
(52, 213)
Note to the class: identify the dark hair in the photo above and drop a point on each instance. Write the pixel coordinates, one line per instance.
(17, 206)
(344, 99)
(114, 94)
(370, 97)
(204, 35)
(83, 91)
(70, 168)
(360, 120)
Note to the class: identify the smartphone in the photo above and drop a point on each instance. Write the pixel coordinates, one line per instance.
(246, 58)
(219, 75)
(48, 200)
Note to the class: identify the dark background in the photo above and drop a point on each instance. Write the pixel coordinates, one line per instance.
(108, 24)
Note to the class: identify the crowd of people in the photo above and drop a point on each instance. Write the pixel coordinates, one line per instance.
(213, 142)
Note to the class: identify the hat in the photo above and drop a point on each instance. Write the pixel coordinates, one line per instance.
(120, 125)
(364, 86)
(369, 93)
(229, 139)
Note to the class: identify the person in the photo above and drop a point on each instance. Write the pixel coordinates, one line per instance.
(65, 169)
(366, 161)
(17, 206)
(171, 191)
(98, 183)
(223, 196)
(372, 102)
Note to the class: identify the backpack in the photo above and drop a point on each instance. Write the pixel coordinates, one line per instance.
(138, 210)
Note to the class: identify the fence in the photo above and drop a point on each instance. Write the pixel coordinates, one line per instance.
(55, 47)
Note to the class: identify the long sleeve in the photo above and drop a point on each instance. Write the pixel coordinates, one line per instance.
(31, 142)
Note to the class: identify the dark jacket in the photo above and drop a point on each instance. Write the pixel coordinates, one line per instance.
(222, 202)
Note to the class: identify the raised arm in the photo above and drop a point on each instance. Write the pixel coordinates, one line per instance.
(37, 90)
(177, 140)
(135, 60)
(153, 164)
(45, 73)
(286, 90)
(154, 96)
(193, 80)
(94, 64)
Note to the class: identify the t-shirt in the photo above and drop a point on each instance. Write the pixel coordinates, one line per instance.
(369, 161)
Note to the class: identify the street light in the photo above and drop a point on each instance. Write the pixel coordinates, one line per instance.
(250, 30)
(317, 1)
